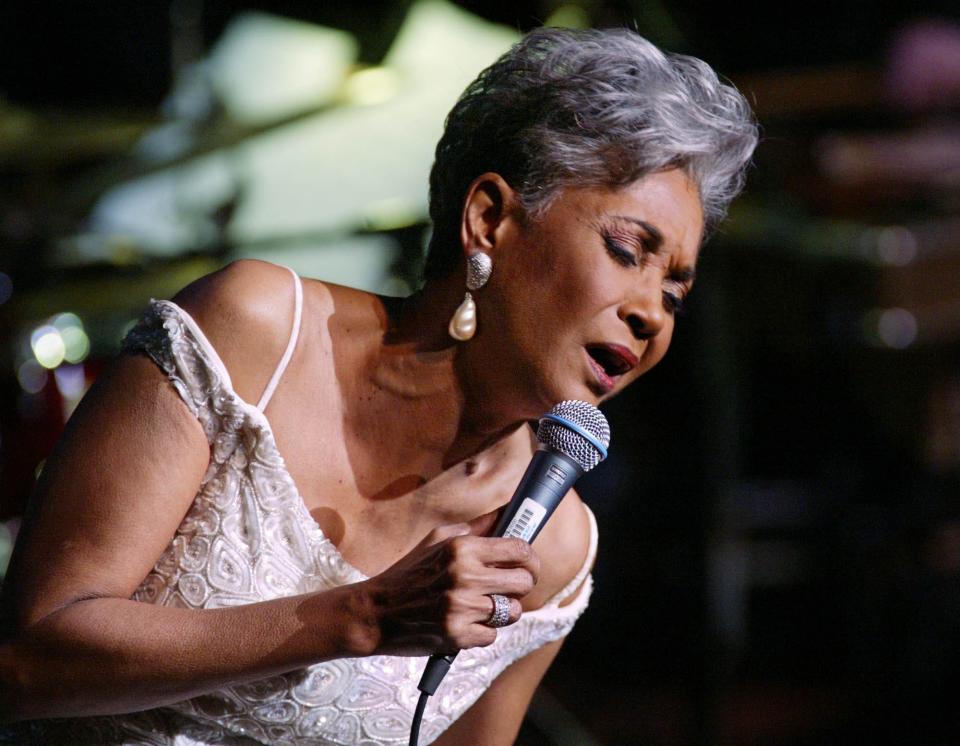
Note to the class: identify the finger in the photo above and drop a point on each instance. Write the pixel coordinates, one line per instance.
(479, 636)
(515, 611)
(515, 582)
(508, 553)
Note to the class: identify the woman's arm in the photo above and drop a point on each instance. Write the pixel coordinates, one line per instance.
(110, 498)
(108, 502)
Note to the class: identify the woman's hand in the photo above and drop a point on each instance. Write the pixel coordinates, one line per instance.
(436, 599)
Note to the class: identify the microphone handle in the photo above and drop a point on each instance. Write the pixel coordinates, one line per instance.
(549, 476)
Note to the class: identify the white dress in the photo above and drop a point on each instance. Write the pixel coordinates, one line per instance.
(248, 537)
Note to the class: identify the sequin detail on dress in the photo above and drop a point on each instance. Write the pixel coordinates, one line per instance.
(248, 537)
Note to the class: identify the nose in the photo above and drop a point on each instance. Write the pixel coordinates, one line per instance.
(642, 310)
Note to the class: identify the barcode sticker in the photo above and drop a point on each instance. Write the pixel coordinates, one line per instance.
(526, 521)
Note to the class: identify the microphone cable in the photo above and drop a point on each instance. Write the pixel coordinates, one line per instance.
(417, 717)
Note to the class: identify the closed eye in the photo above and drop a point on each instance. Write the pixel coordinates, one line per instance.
(674, 295)
(619, 252)
(675, 288)
(672, 303)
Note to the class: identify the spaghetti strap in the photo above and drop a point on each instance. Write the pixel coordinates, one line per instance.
(291, 345)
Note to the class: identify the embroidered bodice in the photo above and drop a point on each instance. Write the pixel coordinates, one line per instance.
(248, 537)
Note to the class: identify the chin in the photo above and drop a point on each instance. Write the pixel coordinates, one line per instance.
(579, 390)
(568, 382)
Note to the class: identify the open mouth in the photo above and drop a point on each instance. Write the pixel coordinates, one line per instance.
(612, 359)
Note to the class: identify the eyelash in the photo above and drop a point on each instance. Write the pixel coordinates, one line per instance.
(620, 254)
(672, 302)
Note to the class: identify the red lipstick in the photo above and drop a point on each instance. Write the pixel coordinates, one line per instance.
(610, 361)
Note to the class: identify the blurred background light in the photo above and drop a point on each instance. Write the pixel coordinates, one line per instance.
(158, 214)
(265, 67)
(896, 327)
(48, 346)
(314, 175)
(357, 260)
(66, 320)
(391, 213)
(76, 344)
(372, 85)
(896, 246)
(569, 15)
(71, 382)
(304, 180)
(32, 376)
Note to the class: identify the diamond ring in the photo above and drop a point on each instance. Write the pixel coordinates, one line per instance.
(500, 616)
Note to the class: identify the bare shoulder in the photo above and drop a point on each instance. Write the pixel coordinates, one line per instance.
(111, 494)
(246, 310)
(344, 311)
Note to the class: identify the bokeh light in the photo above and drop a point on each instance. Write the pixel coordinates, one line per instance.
(66, 320)
(75, 340)
(896, 246)
(897, 328)
(71, 381)
(372, 85)
(32, 376)
(63, 339)
(48, 346)
(76, 344)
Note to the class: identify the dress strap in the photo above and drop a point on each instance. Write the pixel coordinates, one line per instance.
(291, 345)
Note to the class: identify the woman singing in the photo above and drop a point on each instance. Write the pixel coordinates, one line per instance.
(276, 501)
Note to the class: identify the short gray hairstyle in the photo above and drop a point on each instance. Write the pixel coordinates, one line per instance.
(587, 108)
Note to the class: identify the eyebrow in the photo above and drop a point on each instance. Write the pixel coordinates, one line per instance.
(656, 237)
(684, 274)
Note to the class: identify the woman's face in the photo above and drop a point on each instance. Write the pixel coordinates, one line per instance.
(582, 300)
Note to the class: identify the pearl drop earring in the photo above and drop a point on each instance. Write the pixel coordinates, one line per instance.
(463, 323)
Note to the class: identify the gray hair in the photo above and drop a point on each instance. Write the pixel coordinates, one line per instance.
(587, 108)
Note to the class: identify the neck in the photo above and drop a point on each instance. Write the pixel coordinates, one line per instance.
(429, 393)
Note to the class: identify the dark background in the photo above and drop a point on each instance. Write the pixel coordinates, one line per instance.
(780, 533)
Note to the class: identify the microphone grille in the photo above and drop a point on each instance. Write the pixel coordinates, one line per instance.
(578, 430)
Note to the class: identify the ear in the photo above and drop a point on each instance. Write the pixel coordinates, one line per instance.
(490, 203)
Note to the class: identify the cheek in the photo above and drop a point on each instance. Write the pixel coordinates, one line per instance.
(561, 297)
(581, 309)
(556, 288)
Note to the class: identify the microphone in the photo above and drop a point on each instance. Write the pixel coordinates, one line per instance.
(573, 437)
